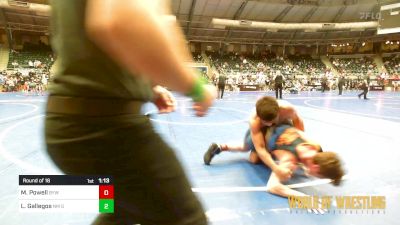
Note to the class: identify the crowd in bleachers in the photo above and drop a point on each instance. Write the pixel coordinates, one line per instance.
(28, 70)
(293, 65)
(307, 65)
(198, 58)
(300, 72)
(261, 69)
(355, 66)
(392, 64)
(24, 80)
(31, 56)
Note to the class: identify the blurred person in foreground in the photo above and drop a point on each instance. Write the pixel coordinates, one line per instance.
(114, 56)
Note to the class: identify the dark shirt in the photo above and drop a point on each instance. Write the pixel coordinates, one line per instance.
(279, 79)
(221, 80)
(83, 69)
(341, 81)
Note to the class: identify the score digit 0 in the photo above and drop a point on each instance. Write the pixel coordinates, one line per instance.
(106, 191)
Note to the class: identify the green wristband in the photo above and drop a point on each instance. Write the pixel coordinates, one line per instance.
(197, 91)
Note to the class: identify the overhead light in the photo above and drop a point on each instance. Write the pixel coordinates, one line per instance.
(363, 44)
(356, 26)
(18, 3)
(328, 25)
(219, 27)
(245, 23)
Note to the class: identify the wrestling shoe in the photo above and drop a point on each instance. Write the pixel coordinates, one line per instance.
(213, 150)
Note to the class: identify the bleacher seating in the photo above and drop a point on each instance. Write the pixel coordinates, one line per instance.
(392, 64)
(31, 52)
(197, 58)
(355, 66)
(305, 65)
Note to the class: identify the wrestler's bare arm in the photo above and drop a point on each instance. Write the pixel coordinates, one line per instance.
(259, 143)
(275, 185)
(288, 112)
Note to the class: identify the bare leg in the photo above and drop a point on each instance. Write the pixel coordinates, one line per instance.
(233, 147)
(253, 157)
(215, 149)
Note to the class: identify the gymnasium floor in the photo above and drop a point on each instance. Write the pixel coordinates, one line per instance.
(364, 132)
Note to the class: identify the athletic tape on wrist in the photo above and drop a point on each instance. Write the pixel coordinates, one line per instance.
(197, 92)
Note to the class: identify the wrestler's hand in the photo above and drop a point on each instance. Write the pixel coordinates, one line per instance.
(210, 93)
(164, 100)
(283, 173)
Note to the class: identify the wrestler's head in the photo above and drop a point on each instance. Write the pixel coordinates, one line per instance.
(326, 165)
(267, 109)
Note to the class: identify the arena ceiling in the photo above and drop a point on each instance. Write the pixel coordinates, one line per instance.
(195, 17)
(24, 20)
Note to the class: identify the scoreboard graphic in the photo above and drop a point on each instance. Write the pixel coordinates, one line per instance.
(65, 193)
